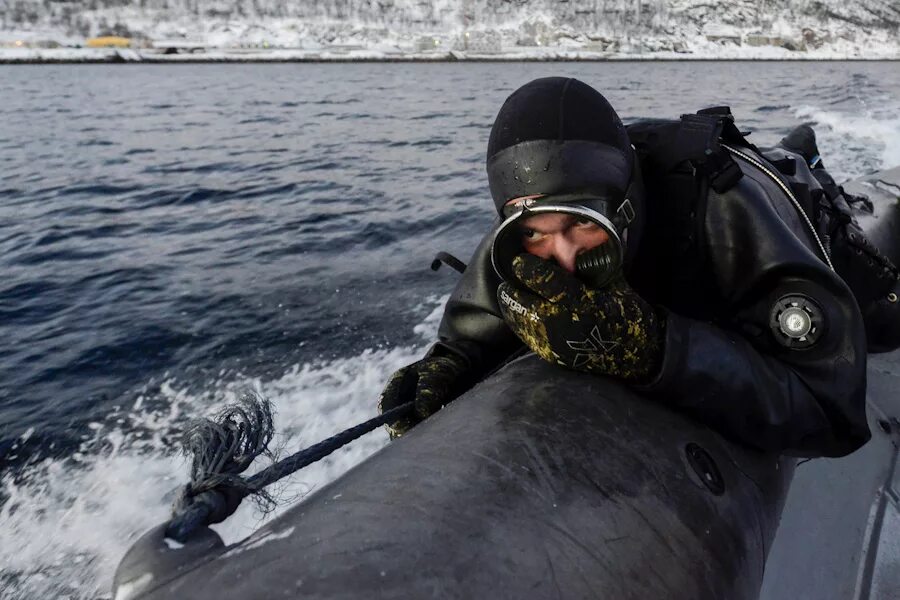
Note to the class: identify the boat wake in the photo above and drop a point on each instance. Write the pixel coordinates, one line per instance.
(847, 140)
(66, 522)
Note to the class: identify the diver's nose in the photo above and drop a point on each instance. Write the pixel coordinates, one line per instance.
(564, 252)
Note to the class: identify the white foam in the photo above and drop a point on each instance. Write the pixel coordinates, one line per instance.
(858, 142)
(66, 523)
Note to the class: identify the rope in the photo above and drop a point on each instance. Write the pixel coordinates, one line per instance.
(225, 448)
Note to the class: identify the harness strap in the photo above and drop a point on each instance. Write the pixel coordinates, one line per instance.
(694, 139)
(701, 134)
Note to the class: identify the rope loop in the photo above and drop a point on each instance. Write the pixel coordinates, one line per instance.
(223, 448)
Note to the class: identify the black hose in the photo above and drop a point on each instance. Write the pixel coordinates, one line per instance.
(449, 260)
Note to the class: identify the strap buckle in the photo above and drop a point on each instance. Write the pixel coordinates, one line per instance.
(626, 210)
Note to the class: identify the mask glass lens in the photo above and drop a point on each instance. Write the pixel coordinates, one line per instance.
(595, 266)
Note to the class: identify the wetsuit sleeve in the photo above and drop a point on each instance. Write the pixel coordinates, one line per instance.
(472, 325)
(736, 375)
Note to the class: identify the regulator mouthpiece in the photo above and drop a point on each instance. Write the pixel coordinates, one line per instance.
(597, 267)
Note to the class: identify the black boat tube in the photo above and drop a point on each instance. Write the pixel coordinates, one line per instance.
(538, 483)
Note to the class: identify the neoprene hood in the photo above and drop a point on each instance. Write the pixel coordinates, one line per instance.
(559, 139)
(557, 135)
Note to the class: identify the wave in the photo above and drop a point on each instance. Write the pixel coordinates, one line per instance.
(857, 143)
(66, 522)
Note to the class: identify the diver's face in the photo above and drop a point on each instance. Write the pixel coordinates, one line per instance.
(561, 237)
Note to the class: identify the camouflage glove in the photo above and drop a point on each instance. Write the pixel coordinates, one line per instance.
(431, 382)
(612, 331)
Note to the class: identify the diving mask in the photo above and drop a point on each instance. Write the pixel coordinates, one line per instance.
(596, 267)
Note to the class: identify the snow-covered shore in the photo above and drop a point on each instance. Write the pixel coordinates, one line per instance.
(385, 30)
(360, 54)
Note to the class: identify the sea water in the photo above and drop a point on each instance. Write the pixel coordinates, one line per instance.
(173, 236)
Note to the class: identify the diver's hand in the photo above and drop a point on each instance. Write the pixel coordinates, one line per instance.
(611, 331)
(431, 382)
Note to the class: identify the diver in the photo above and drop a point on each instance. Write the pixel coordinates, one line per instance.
(726, 308)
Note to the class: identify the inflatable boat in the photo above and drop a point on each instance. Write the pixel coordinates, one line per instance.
(542, 483)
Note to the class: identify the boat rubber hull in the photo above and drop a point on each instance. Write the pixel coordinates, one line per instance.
(537, 483)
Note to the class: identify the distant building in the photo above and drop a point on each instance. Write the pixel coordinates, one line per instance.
(427, 43)
(179, 46)
(723, 34)
(478, 42)
(109, 41)
(29, 44)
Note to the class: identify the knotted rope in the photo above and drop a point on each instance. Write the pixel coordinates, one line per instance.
(223, 448)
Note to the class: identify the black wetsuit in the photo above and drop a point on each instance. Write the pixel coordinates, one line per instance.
(717, 276)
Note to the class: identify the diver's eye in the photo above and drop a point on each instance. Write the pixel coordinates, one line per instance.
(584, 222)
(531, 236)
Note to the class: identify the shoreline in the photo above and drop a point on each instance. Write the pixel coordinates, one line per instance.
(197, 55)
(192, 60)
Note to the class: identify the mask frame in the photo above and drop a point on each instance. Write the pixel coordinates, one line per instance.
(507, 243)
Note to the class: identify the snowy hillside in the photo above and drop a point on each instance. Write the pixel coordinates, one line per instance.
(736, 28)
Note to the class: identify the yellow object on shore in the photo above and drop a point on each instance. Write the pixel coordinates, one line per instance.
(109, 41)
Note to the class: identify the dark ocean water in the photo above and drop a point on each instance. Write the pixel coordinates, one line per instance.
(168, 233)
